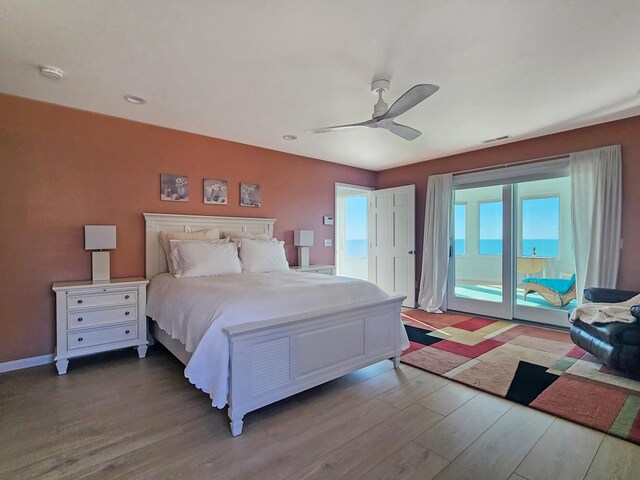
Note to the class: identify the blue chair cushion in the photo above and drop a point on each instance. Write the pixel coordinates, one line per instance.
(558, 285)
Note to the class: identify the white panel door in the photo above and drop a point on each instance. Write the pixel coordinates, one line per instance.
(392, 241)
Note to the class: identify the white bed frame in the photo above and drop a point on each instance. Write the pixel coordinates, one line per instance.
(274, 359)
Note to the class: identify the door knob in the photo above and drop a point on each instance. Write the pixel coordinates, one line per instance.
(411, 252)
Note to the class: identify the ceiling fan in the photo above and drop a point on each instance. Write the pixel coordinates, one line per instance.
(383, 116)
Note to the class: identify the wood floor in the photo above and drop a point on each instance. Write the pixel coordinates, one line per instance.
(116, 416)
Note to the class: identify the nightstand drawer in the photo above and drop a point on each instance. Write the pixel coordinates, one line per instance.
(90, 318)
(81, 339)
(90, 299)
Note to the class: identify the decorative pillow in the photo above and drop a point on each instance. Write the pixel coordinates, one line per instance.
(260, 256)
(175, 258)
(165, 237)
(201, 259)
(236, 236)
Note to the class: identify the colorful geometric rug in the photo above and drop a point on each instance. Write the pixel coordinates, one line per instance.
(534, 366)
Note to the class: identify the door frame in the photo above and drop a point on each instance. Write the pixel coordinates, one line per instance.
(483, 307)
(508, 177)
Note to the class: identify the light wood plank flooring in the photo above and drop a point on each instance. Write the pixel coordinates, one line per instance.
(114, 416)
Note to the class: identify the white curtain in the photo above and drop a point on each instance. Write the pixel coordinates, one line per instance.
(435, 247)
(596, 211)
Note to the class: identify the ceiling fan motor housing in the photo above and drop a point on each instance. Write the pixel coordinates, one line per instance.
(378, 87)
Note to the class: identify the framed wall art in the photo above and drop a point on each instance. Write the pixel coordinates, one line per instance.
(215, 192)
(249, 195)
(174, 188)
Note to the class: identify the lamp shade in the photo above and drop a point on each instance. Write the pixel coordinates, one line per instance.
(99, 237)
(303, 238)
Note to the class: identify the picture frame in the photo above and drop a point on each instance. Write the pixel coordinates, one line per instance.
(174, 188)
(215, 192)
(250, 195)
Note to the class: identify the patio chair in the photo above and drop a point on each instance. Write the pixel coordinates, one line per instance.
(557, 291)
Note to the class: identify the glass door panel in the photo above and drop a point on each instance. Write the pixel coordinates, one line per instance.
(478, 281)
(544, 277)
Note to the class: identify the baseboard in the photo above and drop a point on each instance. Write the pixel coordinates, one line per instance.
(26, 363)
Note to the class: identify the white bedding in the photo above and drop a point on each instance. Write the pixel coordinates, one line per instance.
(186, 308)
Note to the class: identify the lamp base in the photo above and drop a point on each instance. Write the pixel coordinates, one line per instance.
(303, 256)
(100, 267)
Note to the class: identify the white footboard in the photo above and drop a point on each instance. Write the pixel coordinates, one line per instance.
(274, 359)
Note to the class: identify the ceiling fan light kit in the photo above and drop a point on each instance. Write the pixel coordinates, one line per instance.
(383, 116)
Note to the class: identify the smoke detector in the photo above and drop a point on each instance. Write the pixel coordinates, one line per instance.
(135, 99)
(51, 72)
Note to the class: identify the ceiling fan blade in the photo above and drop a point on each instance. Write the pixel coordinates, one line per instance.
(368, 123)
(403, 131)
(410, 99)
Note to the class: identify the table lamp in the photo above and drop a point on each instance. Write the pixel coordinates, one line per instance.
(99, 238)
(303, 239)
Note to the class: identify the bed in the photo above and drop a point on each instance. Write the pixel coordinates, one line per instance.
(249, 340)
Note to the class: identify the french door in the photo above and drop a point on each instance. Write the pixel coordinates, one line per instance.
(511, 233)
(375, 237)
(392, 241)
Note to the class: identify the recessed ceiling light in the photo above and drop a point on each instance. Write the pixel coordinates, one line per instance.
(136, 100)
(51, 72)
(289, 137)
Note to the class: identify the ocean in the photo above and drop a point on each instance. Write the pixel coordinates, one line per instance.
(544, 247)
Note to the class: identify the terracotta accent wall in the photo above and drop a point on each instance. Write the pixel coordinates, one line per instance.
(63, 168)
(624, 132)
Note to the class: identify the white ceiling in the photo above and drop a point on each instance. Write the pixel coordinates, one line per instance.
(252, 71)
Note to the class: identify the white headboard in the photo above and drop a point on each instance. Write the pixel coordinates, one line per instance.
(155, 261)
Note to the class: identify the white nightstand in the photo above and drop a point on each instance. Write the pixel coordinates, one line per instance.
(324, 269)
(96, 317)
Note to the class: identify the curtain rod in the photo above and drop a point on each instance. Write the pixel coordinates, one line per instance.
(506, 165)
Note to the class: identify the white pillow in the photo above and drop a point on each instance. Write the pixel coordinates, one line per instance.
(165, 237)
(175, 258)
(201, 259)
(260, 256)
(236, 236)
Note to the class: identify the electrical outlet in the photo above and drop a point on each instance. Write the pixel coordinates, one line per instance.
(328, 242)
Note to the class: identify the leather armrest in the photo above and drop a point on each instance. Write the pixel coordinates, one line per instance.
(635, 311)
(607, 295)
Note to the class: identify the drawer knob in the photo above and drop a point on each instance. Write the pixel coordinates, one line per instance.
(126, 313)
(126, 297)
(79, 301)
(80, 339)
(126, 332)
(79, 319)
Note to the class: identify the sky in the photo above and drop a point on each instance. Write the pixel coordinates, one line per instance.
(460, 216)
(540, 219)
(356, 218)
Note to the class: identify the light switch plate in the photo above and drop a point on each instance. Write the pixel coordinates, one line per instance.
(328, 242)
(327, 220)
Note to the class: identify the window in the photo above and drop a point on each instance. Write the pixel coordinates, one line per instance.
(460, 229)
(541, 227)
(490, 225)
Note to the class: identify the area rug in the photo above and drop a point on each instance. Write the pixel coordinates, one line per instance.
(534, 366)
